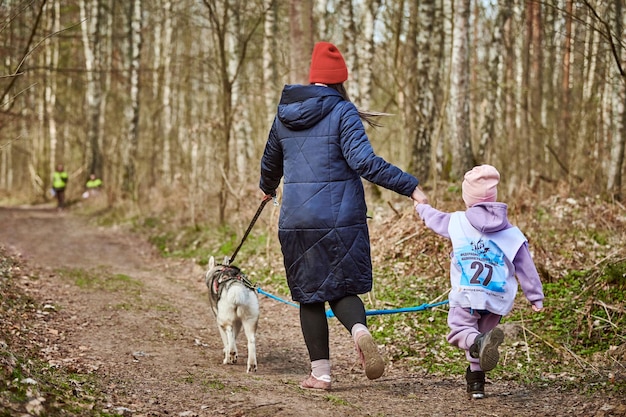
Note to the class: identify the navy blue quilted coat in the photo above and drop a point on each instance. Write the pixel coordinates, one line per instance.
(319, 147)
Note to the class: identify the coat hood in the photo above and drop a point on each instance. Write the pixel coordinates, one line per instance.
(303, 106)
(488, 217)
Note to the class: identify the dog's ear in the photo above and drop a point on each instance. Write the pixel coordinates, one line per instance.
(226, 260)
(211, 262)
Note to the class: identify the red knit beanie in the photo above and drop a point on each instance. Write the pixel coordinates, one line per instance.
(327, 65)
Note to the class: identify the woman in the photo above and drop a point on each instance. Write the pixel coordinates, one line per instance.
(318, 146)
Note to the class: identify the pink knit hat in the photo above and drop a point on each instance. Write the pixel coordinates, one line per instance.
(480, 185)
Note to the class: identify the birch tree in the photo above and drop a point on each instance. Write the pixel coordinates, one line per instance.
(508, 122)
(566, 116)
(492, 100)
(421, 83)
(536, 103)
(301, 40)
(91, 15)
(132, 107)
(365, 50)
(593, 94)
(166, 92)
(411, 86)
(51, 63)
(617, 37)
(428, 77)
(348, 45)
(270, 59)
(462, 158)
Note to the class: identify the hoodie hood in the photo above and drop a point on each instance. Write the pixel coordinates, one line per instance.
(488, 217)
(303, 106)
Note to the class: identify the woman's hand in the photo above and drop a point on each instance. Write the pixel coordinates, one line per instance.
(419, 197)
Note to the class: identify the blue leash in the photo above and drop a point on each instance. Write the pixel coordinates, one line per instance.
(260, 291)
(425, 306)
(329, 313)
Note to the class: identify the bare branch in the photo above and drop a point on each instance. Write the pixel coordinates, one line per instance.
(27, 51)
(610, 38)
(4, 145)
(20, 92)
(10, 19)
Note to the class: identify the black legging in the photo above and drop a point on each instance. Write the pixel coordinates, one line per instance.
(348, 310)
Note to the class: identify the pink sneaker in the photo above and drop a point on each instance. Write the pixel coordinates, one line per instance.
(315, 383)
(370, 358)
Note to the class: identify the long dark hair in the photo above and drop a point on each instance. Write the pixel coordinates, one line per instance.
(367, 116)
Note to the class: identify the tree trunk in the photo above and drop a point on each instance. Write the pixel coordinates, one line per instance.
(91, 18)
(409, 88)
(536, 137)
(366, 53)
(565, 87)
(616, 159)
(462, 157)
(132, 108)
(166, 95)
(593, 93)
(270, 60)
(423, 88)
(301, 39)
(493, 100)
(52, 62)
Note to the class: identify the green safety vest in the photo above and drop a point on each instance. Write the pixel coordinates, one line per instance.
(94, 183)
(59, 179)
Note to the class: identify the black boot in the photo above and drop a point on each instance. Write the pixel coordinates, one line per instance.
(485, 348)
(475, 384)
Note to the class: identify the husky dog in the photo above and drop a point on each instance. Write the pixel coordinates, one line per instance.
(235, 304)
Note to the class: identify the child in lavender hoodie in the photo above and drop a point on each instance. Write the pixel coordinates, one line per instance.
(487, 254)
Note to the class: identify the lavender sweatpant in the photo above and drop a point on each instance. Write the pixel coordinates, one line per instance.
(465, 325)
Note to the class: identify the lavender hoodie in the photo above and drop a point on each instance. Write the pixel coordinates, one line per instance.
(491, 218)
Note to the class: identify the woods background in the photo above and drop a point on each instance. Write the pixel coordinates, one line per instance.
(170, 101)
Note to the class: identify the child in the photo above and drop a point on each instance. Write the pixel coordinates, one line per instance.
(487, 253)
(92, 186)
(59, 182)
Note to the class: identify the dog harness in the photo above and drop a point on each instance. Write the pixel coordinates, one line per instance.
(229, 273)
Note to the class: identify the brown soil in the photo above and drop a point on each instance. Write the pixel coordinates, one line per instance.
(157, 351)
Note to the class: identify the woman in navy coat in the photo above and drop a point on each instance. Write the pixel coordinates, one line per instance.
(318, 146)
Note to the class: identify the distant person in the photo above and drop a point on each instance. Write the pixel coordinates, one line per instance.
(92, 186)
(59, 182)
(487, 253)
(319, 148)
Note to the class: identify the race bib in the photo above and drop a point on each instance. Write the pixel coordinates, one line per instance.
(482, 264)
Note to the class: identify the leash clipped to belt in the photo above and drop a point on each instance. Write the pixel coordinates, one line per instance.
(254, 219)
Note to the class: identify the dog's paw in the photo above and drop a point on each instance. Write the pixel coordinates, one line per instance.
(251, 368)
(232, 358)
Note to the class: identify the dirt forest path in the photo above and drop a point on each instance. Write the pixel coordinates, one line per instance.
(156, 350)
